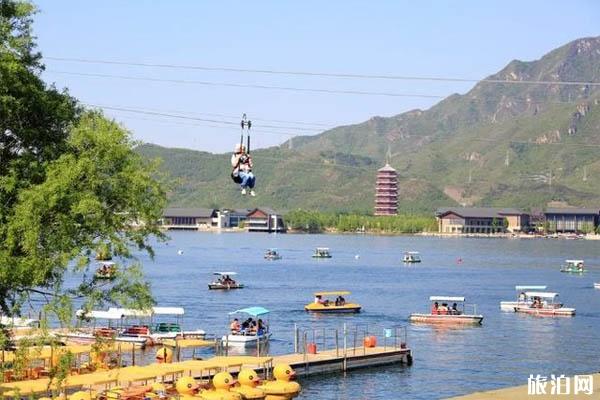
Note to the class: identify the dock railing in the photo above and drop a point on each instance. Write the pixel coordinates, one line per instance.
(348, 340)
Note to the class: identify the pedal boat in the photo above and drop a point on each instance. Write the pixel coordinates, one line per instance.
(324, 305)
(105, 270)
(222, 283)
(597, 285)
(573, 267)
(545, 304)
(411, 257)
(522, 299)
(242, 339)
(447, 317)
(272, 255)
(322, 252)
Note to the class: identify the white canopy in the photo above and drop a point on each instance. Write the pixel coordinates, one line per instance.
(447, 298)
(168, 310)
(129, 312)
(323, 248)
(543, 295)
(17, 321)
(108, 263)
(574, 261)
(225, 273)
(530, 287)
(98, 314)
(412, 252)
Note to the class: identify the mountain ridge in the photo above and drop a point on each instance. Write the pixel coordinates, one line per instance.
(498, 144)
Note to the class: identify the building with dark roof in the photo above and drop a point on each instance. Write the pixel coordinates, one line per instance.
(189, 218)
(481, 220)
(264, 220)
(571, 220)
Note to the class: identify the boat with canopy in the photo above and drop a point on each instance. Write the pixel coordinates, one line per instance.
(522, 298)
(224, 281)
(324, 303)
(322, 252)
(256, 333)
(442, 313)
(545, 304)
(574, 267)
(272, 255)
(411, 257)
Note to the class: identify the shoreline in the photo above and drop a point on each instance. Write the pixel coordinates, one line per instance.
(414, 234)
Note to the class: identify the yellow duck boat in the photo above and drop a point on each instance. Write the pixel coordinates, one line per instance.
(322, 303)
(283, 387)
(222, 383)
(248, 381)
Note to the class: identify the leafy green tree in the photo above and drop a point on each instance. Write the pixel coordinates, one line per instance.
(70, 182)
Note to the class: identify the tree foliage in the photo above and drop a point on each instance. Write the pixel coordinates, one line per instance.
(314, 222)
(70, 183)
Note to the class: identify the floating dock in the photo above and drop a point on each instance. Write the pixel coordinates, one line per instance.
(331, 361)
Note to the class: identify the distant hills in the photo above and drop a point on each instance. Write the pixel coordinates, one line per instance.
(517, 145)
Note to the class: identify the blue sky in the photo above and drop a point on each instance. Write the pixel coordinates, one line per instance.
(467, 39)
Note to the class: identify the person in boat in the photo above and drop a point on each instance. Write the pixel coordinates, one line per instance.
(454, 310)
(435, 308)
(247, 326)
(522, 297)
(340, 301)
(443, 310)
(235, 326)
(253, 329)
(319, 300)
(242, 167)
(260, 328)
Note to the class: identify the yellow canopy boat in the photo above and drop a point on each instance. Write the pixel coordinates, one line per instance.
(323, 303)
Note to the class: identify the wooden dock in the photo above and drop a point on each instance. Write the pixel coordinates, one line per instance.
(331, 361)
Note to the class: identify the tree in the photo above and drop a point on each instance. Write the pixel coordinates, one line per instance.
(70, 182)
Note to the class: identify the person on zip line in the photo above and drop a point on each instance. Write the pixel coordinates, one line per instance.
(242, 169)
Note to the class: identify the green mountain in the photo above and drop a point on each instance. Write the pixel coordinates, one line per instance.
(517, 144)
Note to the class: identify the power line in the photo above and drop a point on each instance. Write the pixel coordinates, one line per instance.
(244, 85)
(323, 74)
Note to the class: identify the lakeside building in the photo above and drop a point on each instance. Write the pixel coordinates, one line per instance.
(189, 218)
(481, 220)
(571, 220)
(264, 220)
(386, 191)
(253, 220)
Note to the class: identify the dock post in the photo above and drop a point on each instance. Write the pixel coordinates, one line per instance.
(355, 335)
(324, 340)
(337, 345)
(304, 346)
(227, 346)
(344, 364)
(296, 338)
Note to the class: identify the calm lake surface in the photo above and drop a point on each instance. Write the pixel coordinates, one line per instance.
(502, 352)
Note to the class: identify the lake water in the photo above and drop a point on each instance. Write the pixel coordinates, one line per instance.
(502, 352)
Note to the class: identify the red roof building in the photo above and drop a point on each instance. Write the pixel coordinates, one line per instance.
(386, 191)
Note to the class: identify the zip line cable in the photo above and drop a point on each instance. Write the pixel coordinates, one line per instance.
(153, 113)
(141, 111)
(229, 116)
(324, 74)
